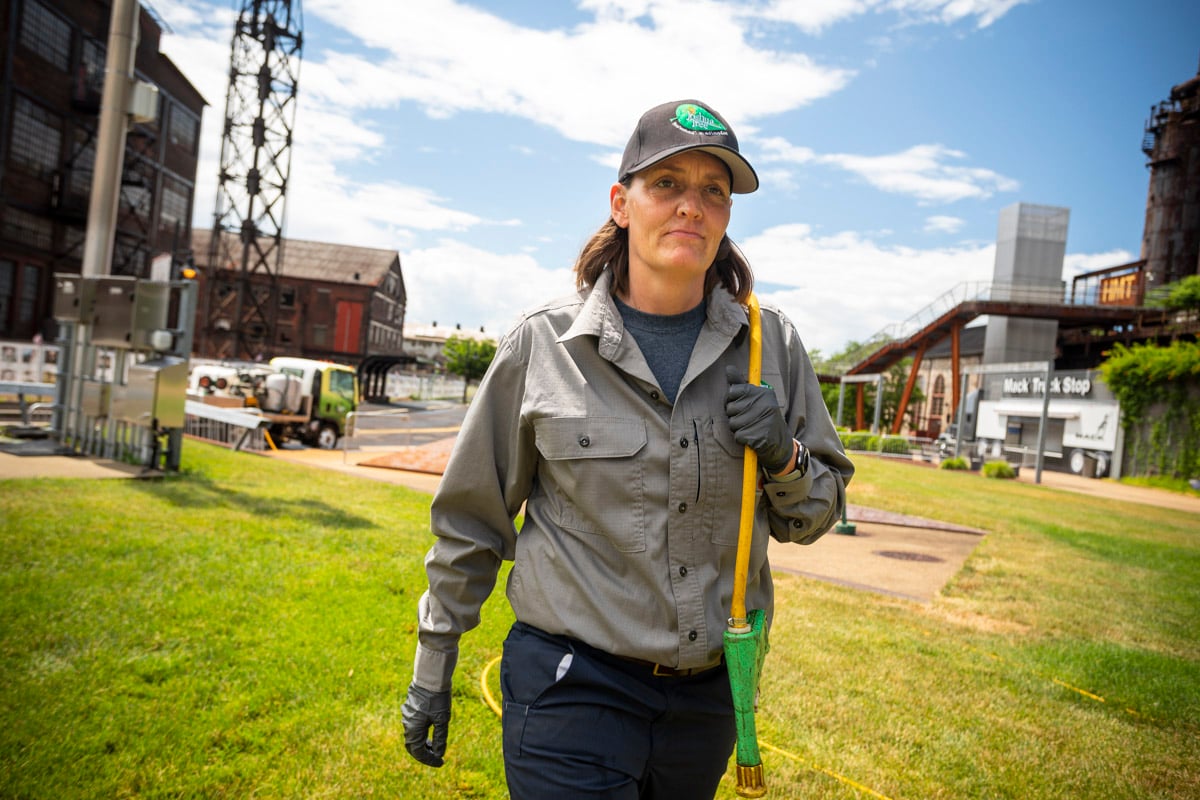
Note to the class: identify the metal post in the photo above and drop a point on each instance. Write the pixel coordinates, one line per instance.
(104, 201)
(841, 400)
(958, 426)
(875, 426)
(1041, 440)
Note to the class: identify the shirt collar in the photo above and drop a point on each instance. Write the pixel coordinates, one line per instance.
(599, 316)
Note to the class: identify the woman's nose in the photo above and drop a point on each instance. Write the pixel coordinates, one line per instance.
(691, 204)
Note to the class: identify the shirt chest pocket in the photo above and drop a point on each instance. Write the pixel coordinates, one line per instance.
(592, 470)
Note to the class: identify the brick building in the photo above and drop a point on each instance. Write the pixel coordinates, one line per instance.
(52, 65)
(327, 301)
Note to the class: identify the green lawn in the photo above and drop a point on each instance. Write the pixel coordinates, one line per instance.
(245, 629)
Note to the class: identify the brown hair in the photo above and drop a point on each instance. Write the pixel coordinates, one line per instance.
(609, 247)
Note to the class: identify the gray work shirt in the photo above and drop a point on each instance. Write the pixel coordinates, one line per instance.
(631, 504)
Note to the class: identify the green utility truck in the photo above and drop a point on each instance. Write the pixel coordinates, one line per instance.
(302, 398)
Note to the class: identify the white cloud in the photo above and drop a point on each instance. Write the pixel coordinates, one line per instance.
(942, 224)
(848, 287)
(459, 282)
(776, 148)
(814, 16)
(492, 64)
(920, 171)
(948, 12)
(1078, 263)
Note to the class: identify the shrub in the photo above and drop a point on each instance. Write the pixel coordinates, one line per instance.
(860, 440)
(897, 445)
(954, 463)
(998, 469)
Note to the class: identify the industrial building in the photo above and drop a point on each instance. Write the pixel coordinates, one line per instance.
(52, 78)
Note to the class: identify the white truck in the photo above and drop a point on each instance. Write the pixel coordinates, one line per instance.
(1001, 420)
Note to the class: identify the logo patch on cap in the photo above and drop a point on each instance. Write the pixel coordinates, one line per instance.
(692, 117)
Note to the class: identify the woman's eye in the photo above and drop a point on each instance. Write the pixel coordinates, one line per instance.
(664, 183)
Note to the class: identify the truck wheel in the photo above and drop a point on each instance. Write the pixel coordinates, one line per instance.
(1101, 464)
(1075, 461)
(327, 437)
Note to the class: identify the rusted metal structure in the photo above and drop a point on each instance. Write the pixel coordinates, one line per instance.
(260, 110)
(1171, 237)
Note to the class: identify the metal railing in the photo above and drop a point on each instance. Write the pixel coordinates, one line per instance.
(235, 428)
(966, 292)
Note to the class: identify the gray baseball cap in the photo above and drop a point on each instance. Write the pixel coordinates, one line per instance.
(683, 125)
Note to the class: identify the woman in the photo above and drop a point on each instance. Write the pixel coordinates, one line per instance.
(619, 416)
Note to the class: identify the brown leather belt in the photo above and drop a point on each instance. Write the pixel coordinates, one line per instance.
(663, 671)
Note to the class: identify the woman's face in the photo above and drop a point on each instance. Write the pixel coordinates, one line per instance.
(676, 212)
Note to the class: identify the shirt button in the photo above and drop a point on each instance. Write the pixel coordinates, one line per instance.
(683, 508)
(584, 441)
(683, 572)
(654, 395)
(692, 636)
(781, 494)
(797, 523)
(683, 442)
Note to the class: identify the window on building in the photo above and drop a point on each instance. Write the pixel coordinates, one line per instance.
(936, 400)
(73, 239)
(36, 137)
(46, 34)
(21, 226)
(320, 335)
(174, 206)
(8, 275)
(129, 256)
(89, 75)
(138, 182)
(184, 128)
(27, 301)
(83, 163)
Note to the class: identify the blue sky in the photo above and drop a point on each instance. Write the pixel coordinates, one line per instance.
(479, 140)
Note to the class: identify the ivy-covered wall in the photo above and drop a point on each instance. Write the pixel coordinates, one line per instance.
(1159, 392)
(1167, 440)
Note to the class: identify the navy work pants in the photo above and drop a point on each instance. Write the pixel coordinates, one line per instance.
(580, 723)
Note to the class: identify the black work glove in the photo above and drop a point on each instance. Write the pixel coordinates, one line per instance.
(757, 422)
(421, 711)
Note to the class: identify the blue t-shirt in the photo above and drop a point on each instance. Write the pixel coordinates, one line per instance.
(666, 341)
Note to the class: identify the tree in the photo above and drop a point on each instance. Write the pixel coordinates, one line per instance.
(469, 358)
(893, 386)
(1182, 295)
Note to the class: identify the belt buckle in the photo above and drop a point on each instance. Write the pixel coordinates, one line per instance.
(660, 671)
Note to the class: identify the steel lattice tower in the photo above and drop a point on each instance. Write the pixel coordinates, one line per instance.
(247, 231)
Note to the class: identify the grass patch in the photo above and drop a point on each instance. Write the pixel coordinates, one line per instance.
(246, 628)
(1168, 482)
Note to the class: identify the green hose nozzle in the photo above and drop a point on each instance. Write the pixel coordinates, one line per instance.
(745, 648)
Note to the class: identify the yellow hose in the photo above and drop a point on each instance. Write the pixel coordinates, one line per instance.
(737, 613)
